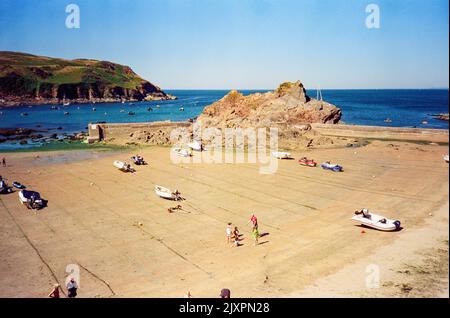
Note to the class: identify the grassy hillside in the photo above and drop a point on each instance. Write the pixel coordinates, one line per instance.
(25, 75)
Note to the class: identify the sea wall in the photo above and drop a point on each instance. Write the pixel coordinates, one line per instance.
(166, 133)
(379, 132)
(154, 133)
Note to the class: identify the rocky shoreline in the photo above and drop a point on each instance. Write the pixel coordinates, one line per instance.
(24, 136)
(14, 101)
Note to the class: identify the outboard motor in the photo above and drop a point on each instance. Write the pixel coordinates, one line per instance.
(397, 225)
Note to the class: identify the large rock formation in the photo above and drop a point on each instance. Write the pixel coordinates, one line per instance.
(288, 108)
(29, 79)
(287, 105)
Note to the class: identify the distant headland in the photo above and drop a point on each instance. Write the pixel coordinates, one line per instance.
(27, 79)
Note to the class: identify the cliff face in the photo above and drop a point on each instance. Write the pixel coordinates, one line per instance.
(287, 105)
(30, 79)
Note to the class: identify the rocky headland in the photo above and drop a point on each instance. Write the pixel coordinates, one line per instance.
(27, 79)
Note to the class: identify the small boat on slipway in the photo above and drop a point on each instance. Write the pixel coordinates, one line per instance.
(182, 152)
(307, 162)
(167, 193)
(379, 222)
(281, 155)
(31, 199)
(4, 188)
(195, 145)
(331, 166)
(123, 166)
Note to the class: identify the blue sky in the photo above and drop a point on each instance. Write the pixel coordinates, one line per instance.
(253, 44)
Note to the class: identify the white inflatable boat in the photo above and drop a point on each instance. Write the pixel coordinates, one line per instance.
(182, 152)
(4, 188)
(281, 155)
(446, 158)
(379, 222)
(195, 145)
(123, 166)
(167, 193)
(31, 199)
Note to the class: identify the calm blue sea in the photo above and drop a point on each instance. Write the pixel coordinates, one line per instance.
(406, 108)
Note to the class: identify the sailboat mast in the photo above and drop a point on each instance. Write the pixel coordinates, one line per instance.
(319, 94)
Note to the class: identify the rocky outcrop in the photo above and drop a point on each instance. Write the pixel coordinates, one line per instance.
(288, 108)
(28, 79)
(287, 105)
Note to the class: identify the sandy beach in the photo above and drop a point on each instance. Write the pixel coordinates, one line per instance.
(126, 244)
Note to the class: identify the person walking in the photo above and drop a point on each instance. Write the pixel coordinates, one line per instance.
(255, 234)
(253, 220)
(55, 291)
(229, 231)
(236, 236)
(4, 162)
(72, 288)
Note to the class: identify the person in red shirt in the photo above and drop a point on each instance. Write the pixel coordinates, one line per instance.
(55, 291)
(253, 220)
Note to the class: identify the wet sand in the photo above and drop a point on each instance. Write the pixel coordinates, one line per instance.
(127, 244)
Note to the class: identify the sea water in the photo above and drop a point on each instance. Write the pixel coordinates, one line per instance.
(405, 108)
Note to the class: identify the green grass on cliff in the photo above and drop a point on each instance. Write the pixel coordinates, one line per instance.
(35, 71)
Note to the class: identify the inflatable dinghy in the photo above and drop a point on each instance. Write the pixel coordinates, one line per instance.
(333, 167)
(195, 145)
(281, 155)
(182, 152)
(31, 199)
(138, 160)
(167, 193)
(4, 188)
(307, 162)
(123, 166)
(379, 222)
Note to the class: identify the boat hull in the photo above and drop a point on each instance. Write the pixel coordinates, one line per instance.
(281, 155)
(165, 193)
(374, 222)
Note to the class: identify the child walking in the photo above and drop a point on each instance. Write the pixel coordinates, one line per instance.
(229, 231)
(236, 236)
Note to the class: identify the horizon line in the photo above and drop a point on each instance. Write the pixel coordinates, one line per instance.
(271, 89)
